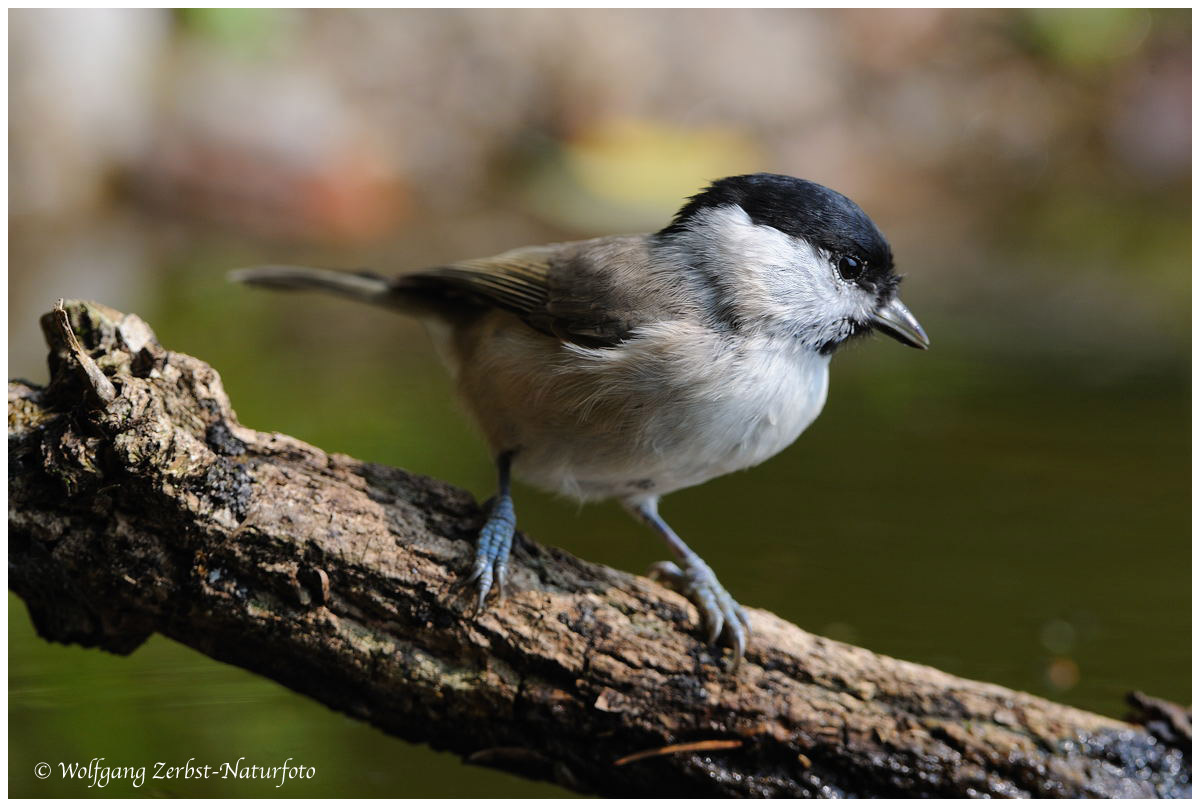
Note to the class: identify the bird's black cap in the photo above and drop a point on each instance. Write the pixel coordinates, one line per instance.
(822, 217)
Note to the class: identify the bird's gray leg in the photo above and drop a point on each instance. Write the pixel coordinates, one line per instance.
(496, 537)
(696, 581)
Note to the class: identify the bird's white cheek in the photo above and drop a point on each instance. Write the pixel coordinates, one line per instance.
(822, 299)
(856, 304)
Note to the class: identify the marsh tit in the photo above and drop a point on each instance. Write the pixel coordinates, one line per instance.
(627, 367)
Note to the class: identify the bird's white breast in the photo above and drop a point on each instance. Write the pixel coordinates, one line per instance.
(756, 401)
(674, 407)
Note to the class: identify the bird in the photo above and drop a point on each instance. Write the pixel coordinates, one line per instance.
(628, 367)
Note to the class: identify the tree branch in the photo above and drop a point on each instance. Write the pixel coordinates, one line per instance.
(139, 504)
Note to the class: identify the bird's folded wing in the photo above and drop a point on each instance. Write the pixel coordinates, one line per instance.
(576, 292)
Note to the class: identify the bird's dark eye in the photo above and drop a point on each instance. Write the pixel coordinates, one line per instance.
(850, 268)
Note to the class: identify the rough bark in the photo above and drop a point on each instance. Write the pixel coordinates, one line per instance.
(138, 503)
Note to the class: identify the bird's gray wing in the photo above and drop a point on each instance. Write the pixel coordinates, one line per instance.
(582, 292)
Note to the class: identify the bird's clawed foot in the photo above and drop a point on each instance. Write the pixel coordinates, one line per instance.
(724, 617)
(492, 550)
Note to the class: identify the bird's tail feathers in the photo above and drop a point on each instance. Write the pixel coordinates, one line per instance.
(363, 286)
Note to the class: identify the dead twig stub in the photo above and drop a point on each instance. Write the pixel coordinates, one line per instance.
(101, 389)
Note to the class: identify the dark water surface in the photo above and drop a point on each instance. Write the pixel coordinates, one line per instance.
(1021, 522)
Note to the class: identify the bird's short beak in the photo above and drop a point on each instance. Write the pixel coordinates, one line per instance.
(894, 319)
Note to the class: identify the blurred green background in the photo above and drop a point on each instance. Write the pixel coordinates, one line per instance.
(1011, 506)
